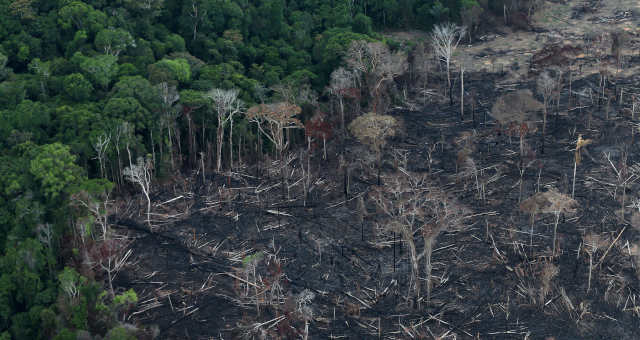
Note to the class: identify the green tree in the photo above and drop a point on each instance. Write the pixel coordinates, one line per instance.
(4, 70)
(112, 41)
(81, 16)
(171, 71)
(53, 166)
(77, 87)
(100, 69)
(139, 88)
(28, 121)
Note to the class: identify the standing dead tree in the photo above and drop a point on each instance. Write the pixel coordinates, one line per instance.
(197, 16)
(372, 129)
(592, 243)
(466, 62)
(545, 84)
(168, 96)
(518, 107)
(141, 174)
(416, 208)
(226, 104)
(549, 202)
(625, 176)
(341, 80)
(273, 120)
(318, 128)
(377, 65)
(577, 158)
(445, 39)
(111, 255)
(100, 146)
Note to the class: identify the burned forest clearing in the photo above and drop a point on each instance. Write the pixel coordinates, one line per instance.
(519, 219)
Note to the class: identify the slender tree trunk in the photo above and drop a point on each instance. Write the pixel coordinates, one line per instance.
(555, 230)
(230, 143)
(170, 146)
(220, 138)
(462, 94)
(191, 144)
(573, 186)
(153, 149)
(415, 271)
(341, 104)
(428, 250)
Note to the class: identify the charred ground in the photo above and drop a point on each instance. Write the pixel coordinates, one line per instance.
(244, 255)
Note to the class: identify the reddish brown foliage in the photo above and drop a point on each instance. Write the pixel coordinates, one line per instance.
(318, 129)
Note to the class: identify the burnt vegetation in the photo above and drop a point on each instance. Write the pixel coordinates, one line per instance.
(404, 209)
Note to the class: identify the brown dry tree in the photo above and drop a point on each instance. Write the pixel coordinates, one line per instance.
(592, 243)
(577, 157)
(519, 107)
(273, 120)
(546, 85)
(372, 129)
(549, 202)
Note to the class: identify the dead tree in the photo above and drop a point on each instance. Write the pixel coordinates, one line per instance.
(618, 41)
(141, 174)
(414, 207)
(517, 108)
(550, 202)
(111, 256)
(372, 129)
(341, 79)
(545, 85)
(226, 104)
(445, 39)
(197, 16)
(100, 146)
(168, 96)
(377, 65)
(273, 120)
(465, 63)
(625, 176)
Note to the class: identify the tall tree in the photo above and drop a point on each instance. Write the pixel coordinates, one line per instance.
(377, 65)
(273, 120)
(444, 40)
(141, 174)
(341, 81)
(226, 104)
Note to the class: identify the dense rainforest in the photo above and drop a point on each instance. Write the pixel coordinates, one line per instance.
(101, 98)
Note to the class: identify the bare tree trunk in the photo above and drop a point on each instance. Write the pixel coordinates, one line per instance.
(341, 103)
(230, 143)
(191, 143)
(462, 94)
(219, 139)
(428, 250)
(153, 149)
(407, 235)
